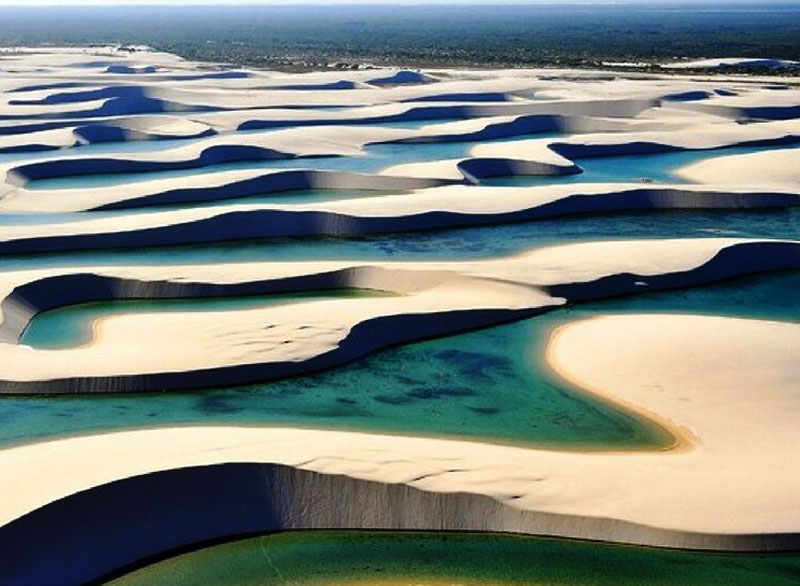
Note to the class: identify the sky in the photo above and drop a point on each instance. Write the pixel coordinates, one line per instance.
(268, 2)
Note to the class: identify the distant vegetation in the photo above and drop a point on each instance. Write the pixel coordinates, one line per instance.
(294, 37)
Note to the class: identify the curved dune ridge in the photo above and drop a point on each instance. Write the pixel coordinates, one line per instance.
(253, 344)
(440, 484)
(421, 210)
(542, 157)
(110, 148)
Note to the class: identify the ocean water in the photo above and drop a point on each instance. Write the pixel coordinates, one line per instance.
(397, 558)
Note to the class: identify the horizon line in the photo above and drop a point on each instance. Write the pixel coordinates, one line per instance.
(318, 3)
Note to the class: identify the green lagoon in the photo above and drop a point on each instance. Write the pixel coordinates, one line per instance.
(395, 558)
(489, 384)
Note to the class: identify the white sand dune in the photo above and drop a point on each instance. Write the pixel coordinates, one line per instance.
(722, 388)
(774, 167)
(238, 346)
(424, 209)
(731, 62)
(724, 485)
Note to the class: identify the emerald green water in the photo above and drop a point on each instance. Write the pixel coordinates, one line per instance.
(399, 558)
(482, 384)
(70, 326)
(488, 384)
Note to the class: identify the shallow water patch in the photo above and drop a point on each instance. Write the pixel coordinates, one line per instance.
(72, 325)
(648, 168)
(447, 244)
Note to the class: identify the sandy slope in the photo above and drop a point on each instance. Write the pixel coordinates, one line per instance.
(725, 388)
(728, 478)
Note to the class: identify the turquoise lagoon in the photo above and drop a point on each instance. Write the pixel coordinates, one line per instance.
(488, 384)
(154, 146)
(658, 167)
(452, 244)
(655, 168)
(375, 158)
